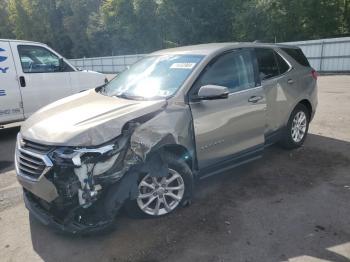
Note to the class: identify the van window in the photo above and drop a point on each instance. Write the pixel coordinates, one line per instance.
(37, 59)
(282, 64)
(233, 70)
(298, 55)
(267, 63)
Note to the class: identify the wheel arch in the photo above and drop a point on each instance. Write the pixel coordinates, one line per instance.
(307, 104)
(182, 152)
(286, 140)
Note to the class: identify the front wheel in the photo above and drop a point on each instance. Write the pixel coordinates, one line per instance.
(297, 128)
(159, 196)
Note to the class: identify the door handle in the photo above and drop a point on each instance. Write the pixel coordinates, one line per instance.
(290, 81)
(22, 81)
(255, 99)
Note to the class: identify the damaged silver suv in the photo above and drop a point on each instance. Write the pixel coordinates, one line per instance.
(176, 116)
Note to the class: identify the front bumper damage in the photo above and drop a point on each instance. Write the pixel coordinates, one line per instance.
(46, 218)
(84, 188)
(98, 216)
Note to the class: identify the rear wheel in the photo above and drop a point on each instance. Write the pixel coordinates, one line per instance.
(159, 196)
(297, 128)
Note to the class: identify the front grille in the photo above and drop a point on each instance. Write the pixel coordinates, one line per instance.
(31, 159)
(30, 165)
(35, 147)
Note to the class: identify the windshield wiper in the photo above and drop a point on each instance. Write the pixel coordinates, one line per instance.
(130, 97)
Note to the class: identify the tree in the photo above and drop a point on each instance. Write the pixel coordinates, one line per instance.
(118, 17)
(284, 20)
(5, 25)
(194, 21)
(147, 26)
(39, 20)
(75, 23)
(99, 39)
(116, 27)
(323, 20)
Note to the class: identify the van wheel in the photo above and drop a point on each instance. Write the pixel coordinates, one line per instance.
(297, 128)
(159, 196)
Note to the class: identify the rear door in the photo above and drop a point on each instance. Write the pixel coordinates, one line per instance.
(10, 97)
(226, 127)
(277, 81)
(42, 79)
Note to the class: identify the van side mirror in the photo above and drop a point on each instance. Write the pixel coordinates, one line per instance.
(211, 92)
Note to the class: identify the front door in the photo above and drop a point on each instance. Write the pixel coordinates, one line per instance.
(41, 77)
(226, 127)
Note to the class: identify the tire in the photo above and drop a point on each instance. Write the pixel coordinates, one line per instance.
(176, 167)
(293, 136)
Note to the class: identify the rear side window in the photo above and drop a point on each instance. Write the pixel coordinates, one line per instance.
(267, 63)
(298, 55)
(282, 64)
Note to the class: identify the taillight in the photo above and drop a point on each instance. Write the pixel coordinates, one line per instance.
(314, 74)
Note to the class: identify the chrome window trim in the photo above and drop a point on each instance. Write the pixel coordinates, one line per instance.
(245, 90)
(286, 60)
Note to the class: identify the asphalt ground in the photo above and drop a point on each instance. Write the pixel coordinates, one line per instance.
(287, 206)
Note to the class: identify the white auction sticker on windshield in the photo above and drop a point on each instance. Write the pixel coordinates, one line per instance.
(183, 65)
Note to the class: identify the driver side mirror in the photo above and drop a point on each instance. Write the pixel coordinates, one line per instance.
(211, 92)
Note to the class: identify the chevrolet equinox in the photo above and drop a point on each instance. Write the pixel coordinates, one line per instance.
(143, 139)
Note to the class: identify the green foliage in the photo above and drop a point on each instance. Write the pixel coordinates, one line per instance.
(285, 20)
(111, 27)
(6, 29)
(119, 21)
(189, 22)
(39, 20)
(148, 30)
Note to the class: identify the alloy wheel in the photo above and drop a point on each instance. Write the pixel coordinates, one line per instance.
(299, 125)
(160, 195)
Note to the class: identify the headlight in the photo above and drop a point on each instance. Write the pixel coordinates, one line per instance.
(90, 152)
(94, 160)
(75, 155)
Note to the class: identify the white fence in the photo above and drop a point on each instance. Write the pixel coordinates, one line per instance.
(325, 55)
(106, 64)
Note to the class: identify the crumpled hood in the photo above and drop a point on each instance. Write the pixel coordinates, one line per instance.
(84, 119)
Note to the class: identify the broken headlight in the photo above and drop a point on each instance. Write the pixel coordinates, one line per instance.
(95, 160)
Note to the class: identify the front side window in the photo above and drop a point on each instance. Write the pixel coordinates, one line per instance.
(267, 63)
(37, 59)
(233, 70)
(153, 77)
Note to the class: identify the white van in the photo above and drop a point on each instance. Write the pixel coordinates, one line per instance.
(33, 75)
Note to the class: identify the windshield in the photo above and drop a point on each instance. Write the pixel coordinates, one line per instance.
(153, 77)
